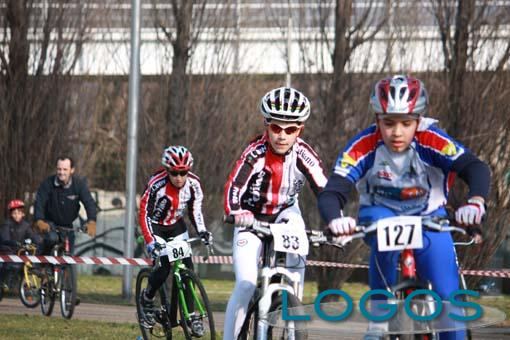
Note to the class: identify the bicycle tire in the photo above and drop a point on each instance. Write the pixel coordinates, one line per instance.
(193, 286)
(29, 291)
(68, 288)
(401, 294)
(249, 328)
(162, 328)
(47, 295)
(283, 333)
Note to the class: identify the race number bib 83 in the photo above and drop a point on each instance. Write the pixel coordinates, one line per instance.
(289, 239)
(177, 250)
(400, 232)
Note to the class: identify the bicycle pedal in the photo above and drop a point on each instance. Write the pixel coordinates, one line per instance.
(78, 301)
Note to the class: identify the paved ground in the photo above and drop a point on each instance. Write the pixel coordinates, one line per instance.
(126, 314)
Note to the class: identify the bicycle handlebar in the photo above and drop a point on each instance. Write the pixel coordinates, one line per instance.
(435, 224)
(315, 237)
(194, 241)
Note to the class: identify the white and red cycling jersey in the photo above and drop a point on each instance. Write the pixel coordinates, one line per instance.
(164, 204)
(266, 183)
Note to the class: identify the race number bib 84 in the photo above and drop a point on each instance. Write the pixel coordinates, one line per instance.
(289, 240)
(400, 232)
(177, 250)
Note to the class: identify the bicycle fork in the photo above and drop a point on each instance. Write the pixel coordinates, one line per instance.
(268, 290)
(181, 288)
(29, 278)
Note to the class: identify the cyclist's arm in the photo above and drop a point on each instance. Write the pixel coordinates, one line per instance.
(236, 185)
(310, 165)
(350, 167)
(439, 149)
(87, 200)
(147, 202)
(334, 197)
(475, 173)
(5, 237)
(195, 204)
(41, 199)
(31, 233)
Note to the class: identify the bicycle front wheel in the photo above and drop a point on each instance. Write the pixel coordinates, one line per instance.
(162, 328)
(196, 318)
(47, 294)
(29, 286)
(68, 288)
(249, 328)
(287, 330)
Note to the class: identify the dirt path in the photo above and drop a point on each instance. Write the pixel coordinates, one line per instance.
(127, 314)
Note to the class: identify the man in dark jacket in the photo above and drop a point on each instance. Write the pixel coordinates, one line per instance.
(57, 203)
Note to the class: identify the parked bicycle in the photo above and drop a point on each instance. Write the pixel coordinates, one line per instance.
(277, 240)
(60, 279)
(404, 233)
(188, 295)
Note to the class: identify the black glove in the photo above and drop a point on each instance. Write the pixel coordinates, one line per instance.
(206, 237)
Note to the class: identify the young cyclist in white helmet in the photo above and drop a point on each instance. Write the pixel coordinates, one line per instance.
(405, 165)
(170, 191)
(264, 185)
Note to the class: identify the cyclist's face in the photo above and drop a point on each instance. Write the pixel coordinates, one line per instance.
(64, 170)
(282, 135)
(17, 215)
(397, 132)
(177, 179)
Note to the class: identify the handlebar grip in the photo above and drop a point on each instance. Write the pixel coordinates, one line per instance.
(229, 219)
(474, 231)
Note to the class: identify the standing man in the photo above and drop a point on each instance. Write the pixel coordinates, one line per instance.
(57, 203)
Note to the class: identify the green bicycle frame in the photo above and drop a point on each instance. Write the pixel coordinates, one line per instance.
(176, 270)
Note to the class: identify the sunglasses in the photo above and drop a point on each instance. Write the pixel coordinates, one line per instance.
(178, 173)
(289, 130)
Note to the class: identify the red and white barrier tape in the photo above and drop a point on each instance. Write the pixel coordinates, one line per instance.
(499, 273)
(77, 260)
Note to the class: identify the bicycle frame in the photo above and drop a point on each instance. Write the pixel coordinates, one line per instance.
(27, 266)
(184, 301)
(290, 282)
(409, 280)
(176, 268)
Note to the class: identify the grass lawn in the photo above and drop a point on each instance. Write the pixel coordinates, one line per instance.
(42, 328)
(107, 290)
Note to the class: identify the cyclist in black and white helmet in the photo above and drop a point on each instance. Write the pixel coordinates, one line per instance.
(264, 185)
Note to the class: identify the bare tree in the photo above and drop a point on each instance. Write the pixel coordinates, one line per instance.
(473, 39)
(346, 30)
(180, 24)
(39, 47)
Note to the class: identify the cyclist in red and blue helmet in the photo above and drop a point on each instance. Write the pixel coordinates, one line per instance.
(405, 165)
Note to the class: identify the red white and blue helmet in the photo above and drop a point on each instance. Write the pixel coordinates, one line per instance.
(177, 158)
(15, 204)
(399, 95)
(286, 104)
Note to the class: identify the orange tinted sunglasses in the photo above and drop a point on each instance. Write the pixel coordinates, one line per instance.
(288, 130)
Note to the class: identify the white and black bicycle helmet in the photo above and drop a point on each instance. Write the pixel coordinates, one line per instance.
(399, 95)
(286, 104)
(177, 158)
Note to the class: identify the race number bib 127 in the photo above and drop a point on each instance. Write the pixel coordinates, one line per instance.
(400, 232)
(289, 239)
(177, 250)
